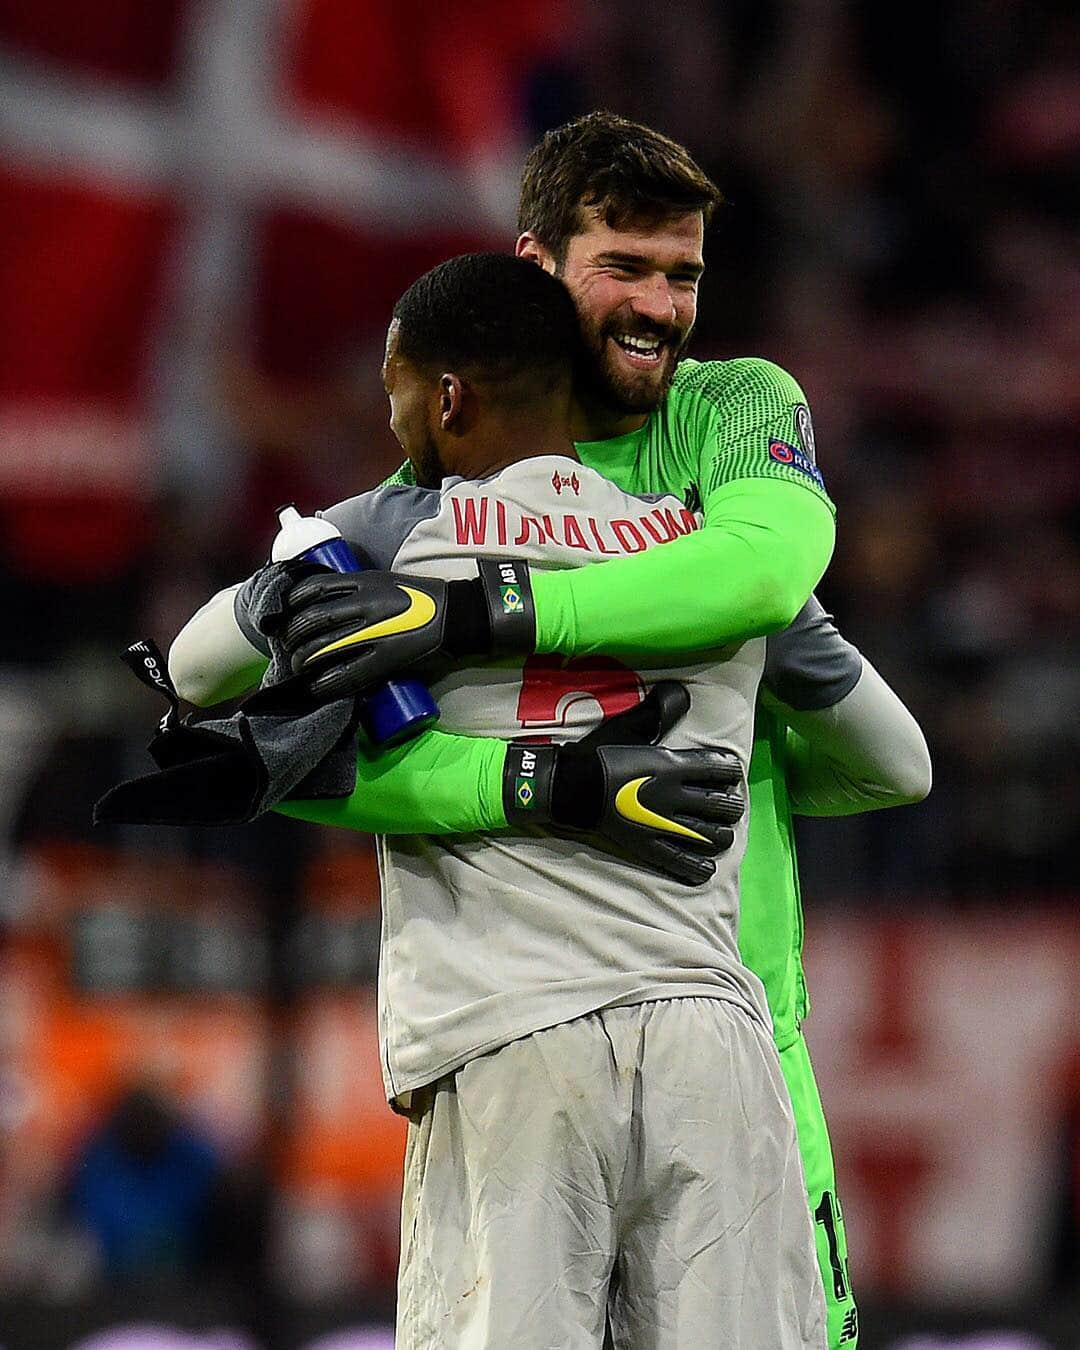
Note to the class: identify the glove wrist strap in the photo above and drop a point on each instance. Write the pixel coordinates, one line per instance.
(508, 594)
(528, 773)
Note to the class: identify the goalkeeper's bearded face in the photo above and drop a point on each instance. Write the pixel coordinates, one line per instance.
(635, 286)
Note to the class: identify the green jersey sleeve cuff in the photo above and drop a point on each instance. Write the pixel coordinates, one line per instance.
(438, 783)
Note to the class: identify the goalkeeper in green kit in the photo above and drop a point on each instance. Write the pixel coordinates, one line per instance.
(618, 213)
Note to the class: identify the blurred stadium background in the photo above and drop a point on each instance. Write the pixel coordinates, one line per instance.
(207, 208)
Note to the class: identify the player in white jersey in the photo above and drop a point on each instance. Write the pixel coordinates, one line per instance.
(597, 1115)
(446, 898)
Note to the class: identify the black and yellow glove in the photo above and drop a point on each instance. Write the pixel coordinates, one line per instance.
(351, 631)
(671, 810)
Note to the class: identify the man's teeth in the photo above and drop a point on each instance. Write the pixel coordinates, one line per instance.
(639, 346)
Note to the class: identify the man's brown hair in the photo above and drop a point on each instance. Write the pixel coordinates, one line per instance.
(621, 169)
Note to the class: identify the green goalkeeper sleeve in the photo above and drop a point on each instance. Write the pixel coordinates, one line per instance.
(438, 783)
(764, 547)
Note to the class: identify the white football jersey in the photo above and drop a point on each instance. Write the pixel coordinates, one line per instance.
(489, 937)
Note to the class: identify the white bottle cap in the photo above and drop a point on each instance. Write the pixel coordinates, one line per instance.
(299, 533)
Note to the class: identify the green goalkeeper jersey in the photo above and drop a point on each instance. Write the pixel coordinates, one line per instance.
(758, 410)
(722, 423)
(770, 907)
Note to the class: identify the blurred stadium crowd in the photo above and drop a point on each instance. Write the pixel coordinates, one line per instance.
(207, 211)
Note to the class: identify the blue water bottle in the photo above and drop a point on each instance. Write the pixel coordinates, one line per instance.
(397, 710)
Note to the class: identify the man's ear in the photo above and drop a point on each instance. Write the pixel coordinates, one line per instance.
(451, 401)
(530, 248)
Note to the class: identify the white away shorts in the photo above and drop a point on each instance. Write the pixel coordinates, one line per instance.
(638, 1164)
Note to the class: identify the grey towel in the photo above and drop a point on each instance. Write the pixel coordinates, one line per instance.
(307, 751)
(228, 770)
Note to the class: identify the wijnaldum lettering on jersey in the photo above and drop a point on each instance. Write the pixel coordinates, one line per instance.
(481, 521)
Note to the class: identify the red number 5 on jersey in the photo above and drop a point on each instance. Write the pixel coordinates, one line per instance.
(551, 686)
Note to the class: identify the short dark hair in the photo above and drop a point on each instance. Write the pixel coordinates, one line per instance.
(624, 170)
(493, 317)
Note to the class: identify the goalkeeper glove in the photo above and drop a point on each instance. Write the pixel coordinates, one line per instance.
(350, 631)
(672, 810)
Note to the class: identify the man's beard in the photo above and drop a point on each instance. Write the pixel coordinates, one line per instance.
(598, 376)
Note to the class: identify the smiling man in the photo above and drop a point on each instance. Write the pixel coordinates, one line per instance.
(618, 213)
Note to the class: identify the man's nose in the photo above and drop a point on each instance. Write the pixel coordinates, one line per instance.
(653, 300)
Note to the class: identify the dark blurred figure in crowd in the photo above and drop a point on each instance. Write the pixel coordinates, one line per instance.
(143, 1185)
